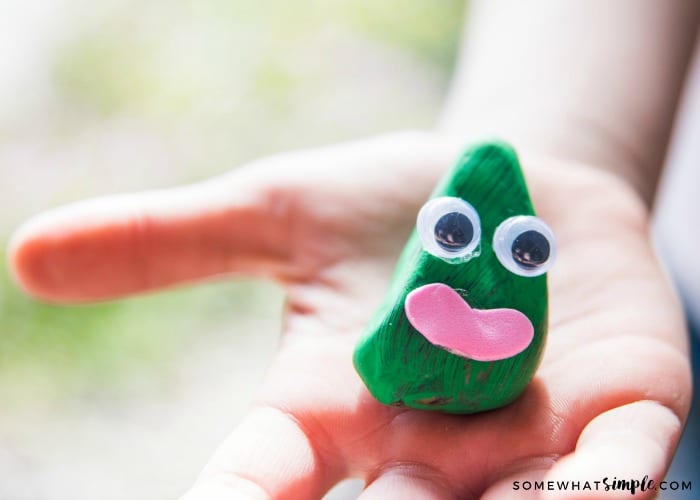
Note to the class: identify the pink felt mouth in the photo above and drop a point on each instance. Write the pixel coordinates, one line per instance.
(443, 317)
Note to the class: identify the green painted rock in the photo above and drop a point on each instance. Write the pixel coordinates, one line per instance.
(463, 325)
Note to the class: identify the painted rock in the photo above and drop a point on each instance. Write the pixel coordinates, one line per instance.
(464, 322)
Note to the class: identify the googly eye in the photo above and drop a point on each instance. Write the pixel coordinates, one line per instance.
(525, 245)
(449, 228)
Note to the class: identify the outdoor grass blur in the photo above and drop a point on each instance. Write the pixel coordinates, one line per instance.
(107, 96)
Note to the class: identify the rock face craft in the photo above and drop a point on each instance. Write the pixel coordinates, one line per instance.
(463, 325)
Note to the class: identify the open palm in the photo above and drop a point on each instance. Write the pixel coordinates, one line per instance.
(608, 400)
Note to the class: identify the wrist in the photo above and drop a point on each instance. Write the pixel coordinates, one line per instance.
(569, 146)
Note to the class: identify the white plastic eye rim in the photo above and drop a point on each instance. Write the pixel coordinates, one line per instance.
(429, 215)
(511, 228)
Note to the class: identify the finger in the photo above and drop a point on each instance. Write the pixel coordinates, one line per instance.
(407, 481)
(125, 244)
(260, 219)
(269, 455)
(597, 378)
(627, 443)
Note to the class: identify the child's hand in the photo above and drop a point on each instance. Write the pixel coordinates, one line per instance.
(609, 399)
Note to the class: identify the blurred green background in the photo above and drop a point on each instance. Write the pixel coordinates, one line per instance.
(106, 96)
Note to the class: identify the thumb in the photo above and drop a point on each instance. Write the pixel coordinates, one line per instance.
(129, 243)
(258, 219)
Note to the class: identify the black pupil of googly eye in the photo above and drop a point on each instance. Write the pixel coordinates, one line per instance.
(454, 231)
(530, 249)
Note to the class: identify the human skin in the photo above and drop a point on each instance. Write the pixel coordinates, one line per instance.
(613, 390)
